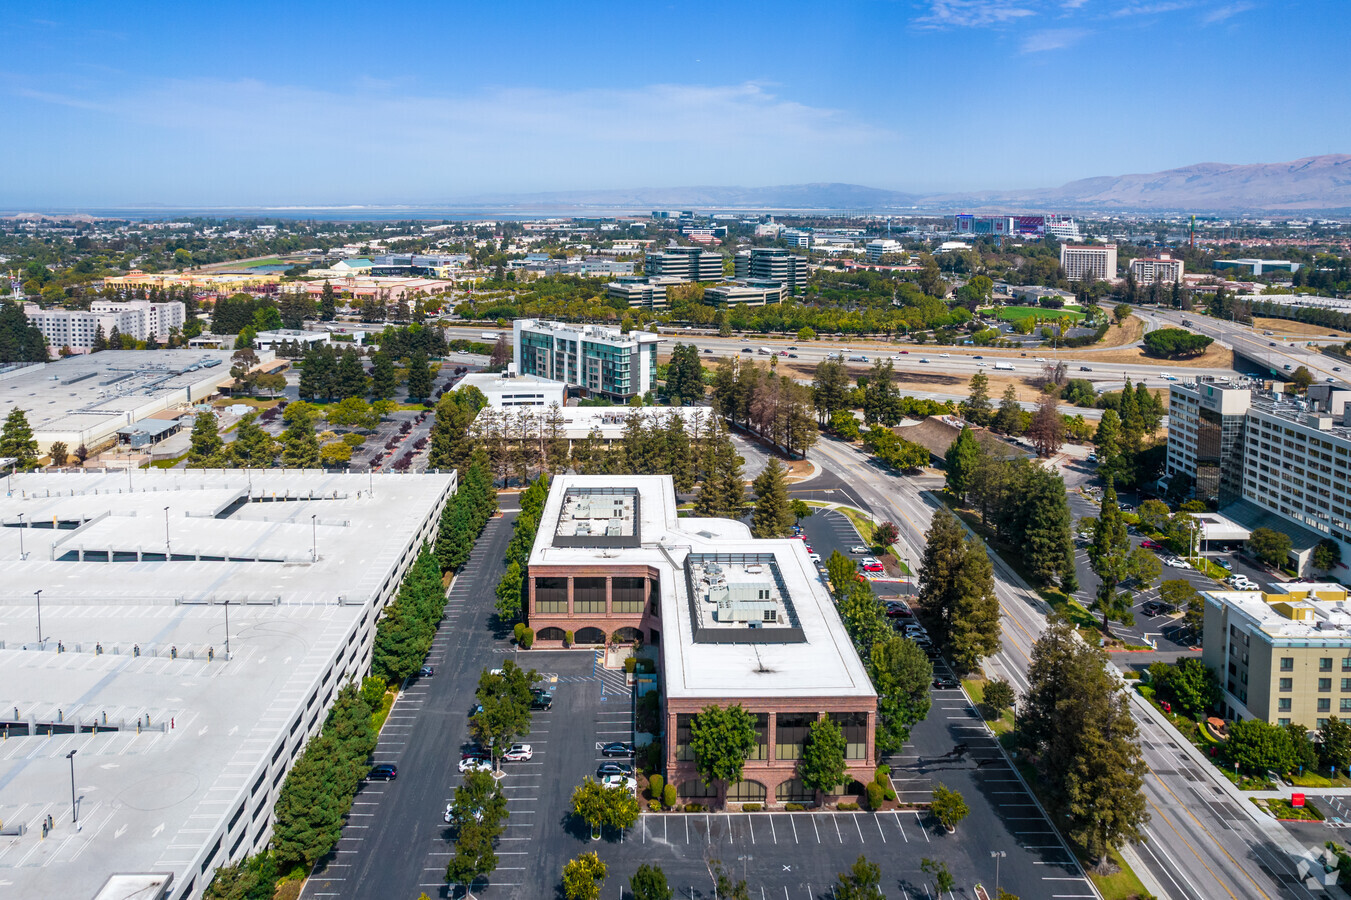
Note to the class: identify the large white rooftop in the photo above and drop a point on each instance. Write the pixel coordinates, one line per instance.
(173, 740)
(1294, 610)
(87, 397)
(803, 652)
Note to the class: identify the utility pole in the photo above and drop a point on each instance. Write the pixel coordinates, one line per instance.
(38, 594)
(74, 815)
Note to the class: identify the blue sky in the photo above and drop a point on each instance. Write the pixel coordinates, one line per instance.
(331, 103)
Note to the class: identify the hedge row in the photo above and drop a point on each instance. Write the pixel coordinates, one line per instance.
(511, 589)
(464, 518)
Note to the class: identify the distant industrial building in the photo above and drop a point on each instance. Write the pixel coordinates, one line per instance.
(1081, 260)
(745, 292)
(273, 340)
(1162, 269)
(1258, 266)
(685, 263)
(77, 328)
(194, 630)
(1060, 227)
(774, 264)
(86, 399)
(640, 292)
(602, 361)
(503, 390)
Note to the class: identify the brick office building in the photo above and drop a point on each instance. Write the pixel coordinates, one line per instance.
(736, 620)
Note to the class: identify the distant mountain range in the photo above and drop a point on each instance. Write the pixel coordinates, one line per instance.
(1312, 184)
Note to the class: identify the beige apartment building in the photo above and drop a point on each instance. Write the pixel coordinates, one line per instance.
(1282, 655)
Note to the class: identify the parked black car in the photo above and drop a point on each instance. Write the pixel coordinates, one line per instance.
(617, 748)
(383, 772)
(614, 769)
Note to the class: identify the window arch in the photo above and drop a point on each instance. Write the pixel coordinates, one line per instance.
(626, 635)
(747, 792)
(794, 791)
(549, 634)
(695, 789)
(590, 636)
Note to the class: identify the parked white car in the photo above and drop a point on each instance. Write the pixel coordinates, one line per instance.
(620, 781)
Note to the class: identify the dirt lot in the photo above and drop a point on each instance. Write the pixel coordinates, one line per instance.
(939, 383)
(1215, 357)
(1128, 332)
(1297, 329)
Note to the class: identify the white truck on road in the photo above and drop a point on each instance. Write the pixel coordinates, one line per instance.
(1004, 366)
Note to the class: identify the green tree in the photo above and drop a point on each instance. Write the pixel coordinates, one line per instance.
(801, 510)
(384, 377)
(1270, 546)
(1046, 540)
(961, 460)
(352, 412)
(252, 878)
(830, 389)
(475, 855)
(977, 408)
(822, 765)
(253, 447)
(419, 376)
(940, 569)
(973, 627)
(299, 444)
(841, 570)
(773, 515)
(1256, 746)
(509, 591)
(504, 713)
(1153, 515)
(58, 453)
(598, 805)
(938, 870)
(999, 696)
(205, 445)
(649, 883)
(863, 881)
(328, 303)
(1009, 418)
(309, 810)
(1121, 312)
(479, 798)
(582, 877)
(1300, 379)
(1334, 744)
(901, 674)
(1114, 561)
(350, 378)
(1189, 684)
(722, 739)
(948, 807)
(1326, 554)
(685, 375)
(17, 441)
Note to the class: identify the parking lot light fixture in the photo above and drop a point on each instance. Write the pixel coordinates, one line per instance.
(997, 855)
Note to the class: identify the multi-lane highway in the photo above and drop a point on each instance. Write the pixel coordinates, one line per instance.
(1278, 354)
(1201, 844)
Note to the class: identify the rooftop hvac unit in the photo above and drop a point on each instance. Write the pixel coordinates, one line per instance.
(751, 611)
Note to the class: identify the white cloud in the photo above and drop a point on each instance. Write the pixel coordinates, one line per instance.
(1052, 39)
(1227, 11)
(973, 13)
(1151, 9)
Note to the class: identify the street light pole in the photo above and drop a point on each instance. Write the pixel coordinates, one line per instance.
(227, 630)
(166, 533)
(314, 538)
(38, 594)
(997, 855)
(74, 816)
(22, 555)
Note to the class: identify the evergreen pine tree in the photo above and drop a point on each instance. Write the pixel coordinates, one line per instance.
(961, 460)
(328, 303)
(100, 339)
(679, 454)
(419, 376)
(253, 447)
(300, 445)
(384, 378)
(115, 339)
(206, 443)
(1009, 418)
(349, 377)
(973, 624)
(773, 516)
(17, 441)
(940, 569)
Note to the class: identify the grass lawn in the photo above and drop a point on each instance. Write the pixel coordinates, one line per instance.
(270, 261)
(168, 463)
(1018, 313)
(866, 529)
(1121, 886)
(380, 715)
(975, 689)
(256, 402)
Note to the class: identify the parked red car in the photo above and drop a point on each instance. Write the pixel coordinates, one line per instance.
(1151, 545)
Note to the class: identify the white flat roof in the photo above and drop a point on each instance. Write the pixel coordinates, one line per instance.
(155, 800)
(94, 394)
(821, 662)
